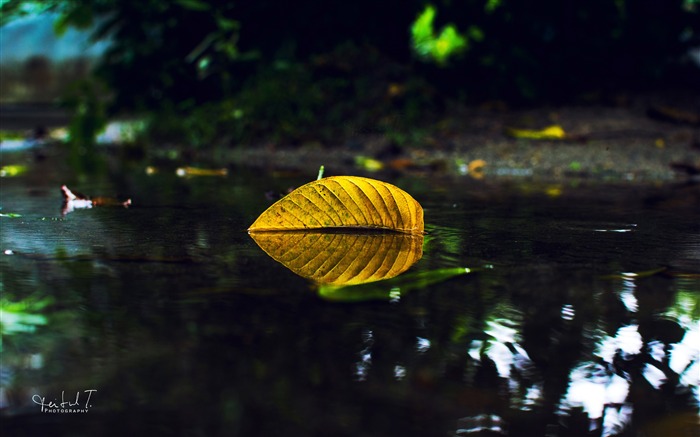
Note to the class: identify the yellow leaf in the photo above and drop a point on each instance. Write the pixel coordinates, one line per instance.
(342, 258)
(194, 171)
(476, 168)
(369, 164)
(344, 202)
(553, 191)
(555, 132)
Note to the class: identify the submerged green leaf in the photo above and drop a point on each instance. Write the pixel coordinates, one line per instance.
(389, 289)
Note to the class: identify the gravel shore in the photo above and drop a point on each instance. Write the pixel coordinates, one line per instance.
(605, 143)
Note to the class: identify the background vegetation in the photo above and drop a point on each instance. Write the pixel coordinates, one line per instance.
(211, 69)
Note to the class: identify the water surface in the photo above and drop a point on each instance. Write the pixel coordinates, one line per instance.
(581, 317)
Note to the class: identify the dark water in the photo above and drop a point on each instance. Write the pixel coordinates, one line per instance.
(167, 319)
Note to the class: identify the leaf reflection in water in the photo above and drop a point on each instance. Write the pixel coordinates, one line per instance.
(340, 258)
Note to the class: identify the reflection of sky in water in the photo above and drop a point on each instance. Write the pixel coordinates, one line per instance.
(505, 352)
(684, 357)
(627, 296)
(627, 340)
(399, 372)
(481, 423)
(363, 364)
(593, 385)
(592, 388)
(422, 344)
(602, 394)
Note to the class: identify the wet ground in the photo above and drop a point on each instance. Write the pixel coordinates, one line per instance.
(647, 138)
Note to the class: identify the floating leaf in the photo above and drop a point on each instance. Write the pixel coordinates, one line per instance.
(344, 202)
(342, 258)
(555, 132)
(73, 200)
(391, 288)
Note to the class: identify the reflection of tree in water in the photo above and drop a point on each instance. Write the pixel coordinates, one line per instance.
(566, 363)
(494, 352)
(580, 379)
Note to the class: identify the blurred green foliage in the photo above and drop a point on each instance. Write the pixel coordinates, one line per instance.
(439, 48)
(87, 99)
(241, 68)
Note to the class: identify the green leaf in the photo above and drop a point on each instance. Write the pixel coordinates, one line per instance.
(422, 31)
(449, 42)
(390, 289)
(439, 48)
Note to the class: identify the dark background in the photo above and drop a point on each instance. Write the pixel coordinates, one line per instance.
(291, 72)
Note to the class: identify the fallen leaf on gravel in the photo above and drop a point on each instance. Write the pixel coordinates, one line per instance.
(554, 132)
(475, 168)
(194, 171)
